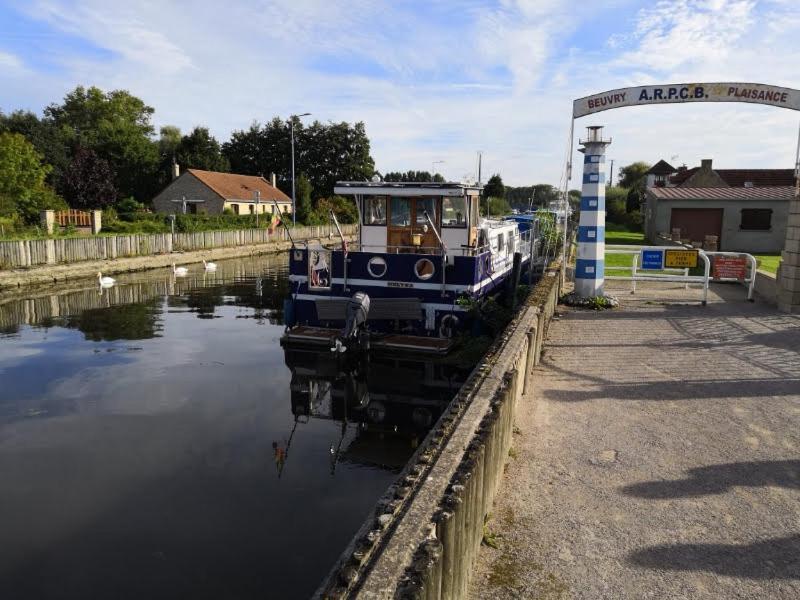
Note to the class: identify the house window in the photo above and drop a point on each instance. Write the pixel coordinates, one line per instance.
(375, 210)
(235, 208)
(756, 219)
(252, 209)
(454, 212)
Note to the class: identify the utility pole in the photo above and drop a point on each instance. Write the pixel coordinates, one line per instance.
(433, 168)
(611, 176)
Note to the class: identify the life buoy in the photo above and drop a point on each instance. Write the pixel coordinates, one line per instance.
(448, 326)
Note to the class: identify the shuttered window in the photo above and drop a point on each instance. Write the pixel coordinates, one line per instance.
(756, 219)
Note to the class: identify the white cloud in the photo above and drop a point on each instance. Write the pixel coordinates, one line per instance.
(439, 81)
(9, 61)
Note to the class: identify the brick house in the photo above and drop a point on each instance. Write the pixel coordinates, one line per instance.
(210, 192)
(745, 209)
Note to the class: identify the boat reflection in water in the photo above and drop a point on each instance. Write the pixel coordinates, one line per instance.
(385, 404)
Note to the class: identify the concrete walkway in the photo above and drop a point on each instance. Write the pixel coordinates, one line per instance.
(660, 458)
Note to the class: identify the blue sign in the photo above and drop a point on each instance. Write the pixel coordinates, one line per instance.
(652, 259)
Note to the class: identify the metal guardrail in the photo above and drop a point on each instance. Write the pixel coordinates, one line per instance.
(672, 275)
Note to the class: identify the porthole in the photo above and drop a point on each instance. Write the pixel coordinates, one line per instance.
(376, 266)
(424, 269)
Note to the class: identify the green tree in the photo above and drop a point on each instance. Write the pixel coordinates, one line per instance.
(168, 141)
(615, 204)
(633, 175)
(115, 125)
(497, 207)
(344, 209)
(494, 188)
(633, 200)
(49, 140)
(325, 153)
(199, 150)
(304, 204)
(412, 176)
(22, 179)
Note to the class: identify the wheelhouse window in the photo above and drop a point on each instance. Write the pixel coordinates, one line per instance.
(756, 219)
(454, 212)
(426, 205)
(375, 210)
(499, 242)
(401, 212)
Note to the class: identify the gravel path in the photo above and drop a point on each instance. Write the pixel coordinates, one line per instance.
(660, 459)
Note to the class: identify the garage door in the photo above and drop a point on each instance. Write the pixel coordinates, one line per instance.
(696, 223)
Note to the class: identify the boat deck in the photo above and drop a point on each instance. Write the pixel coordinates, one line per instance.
(322, 337)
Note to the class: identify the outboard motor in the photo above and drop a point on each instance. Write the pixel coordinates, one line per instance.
(356, 314)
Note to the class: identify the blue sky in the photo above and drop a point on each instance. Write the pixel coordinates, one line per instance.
(435, 80)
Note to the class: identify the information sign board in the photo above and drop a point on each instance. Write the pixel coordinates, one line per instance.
(680, 259)
(652, 259)
(730, 267)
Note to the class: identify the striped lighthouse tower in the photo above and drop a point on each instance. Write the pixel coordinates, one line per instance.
(590, 262)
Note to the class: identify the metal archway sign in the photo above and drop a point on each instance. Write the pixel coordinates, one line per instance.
(752, 93)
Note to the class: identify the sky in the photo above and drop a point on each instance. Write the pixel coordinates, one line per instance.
(435, 80)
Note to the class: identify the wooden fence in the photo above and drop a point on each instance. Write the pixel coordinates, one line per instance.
(29, 253)
(78, 218)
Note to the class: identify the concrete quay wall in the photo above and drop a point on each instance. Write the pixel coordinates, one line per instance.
(423, 538)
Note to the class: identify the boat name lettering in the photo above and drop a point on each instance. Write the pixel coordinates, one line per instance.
(399, 284)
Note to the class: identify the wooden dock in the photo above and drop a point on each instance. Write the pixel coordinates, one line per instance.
(304, 336)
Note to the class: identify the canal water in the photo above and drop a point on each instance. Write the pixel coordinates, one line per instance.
(157, 442)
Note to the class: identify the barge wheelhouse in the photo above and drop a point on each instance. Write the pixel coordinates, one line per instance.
(422, 249)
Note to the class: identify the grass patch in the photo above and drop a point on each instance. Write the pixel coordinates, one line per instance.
(618, 235)
(769, 262)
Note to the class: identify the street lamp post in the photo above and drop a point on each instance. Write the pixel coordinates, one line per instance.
(294, 202)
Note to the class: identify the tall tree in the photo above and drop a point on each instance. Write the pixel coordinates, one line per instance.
(304, 204)
(88, 181)
(494, 188)
(199, 150)
(168, 141)
(22, 179)
(47, 138)
(633, 175)
(116, 125)
(326, 153)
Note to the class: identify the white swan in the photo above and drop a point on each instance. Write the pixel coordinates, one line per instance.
(105, 282)
(210, 266)
(179, 271)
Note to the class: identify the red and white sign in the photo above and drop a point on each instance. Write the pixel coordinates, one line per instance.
(730, 267)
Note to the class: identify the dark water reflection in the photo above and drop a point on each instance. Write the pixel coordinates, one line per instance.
(154, 444)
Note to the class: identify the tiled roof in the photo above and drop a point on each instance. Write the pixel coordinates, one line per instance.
(737, 177)
(239, 187)
(662, 167)
(724, 193)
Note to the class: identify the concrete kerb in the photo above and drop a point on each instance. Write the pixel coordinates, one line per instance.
(448, 487)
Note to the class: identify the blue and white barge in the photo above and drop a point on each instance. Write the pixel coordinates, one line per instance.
(422, 249)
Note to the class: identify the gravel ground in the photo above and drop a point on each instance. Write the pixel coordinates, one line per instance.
(659, 458)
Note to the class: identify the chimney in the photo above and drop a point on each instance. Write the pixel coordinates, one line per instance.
(705, 164)
(272, 179)
(176, 170)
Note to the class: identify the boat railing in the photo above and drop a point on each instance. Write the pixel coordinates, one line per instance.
(433, 250)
